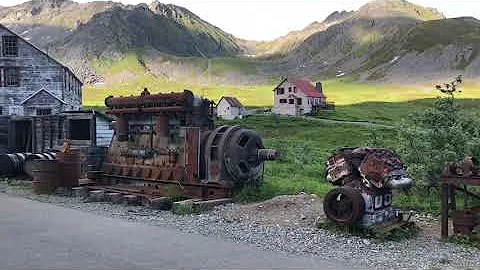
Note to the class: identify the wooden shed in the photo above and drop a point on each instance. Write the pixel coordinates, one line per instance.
(48, 132)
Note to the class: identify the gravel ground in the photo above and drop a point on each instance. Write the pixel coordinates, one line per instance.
(284, 228)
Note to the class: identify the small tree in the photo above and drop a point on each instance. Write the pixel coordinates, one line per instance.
(429, 139)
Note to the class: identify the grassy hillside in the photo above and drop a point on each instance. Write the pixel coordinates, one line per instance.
(304, 147)
(354, 101)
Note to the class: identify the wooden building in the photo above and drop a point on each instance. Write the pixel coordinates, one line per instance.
(230, 108)
(298, 97)
(33, 83)
(42, 133)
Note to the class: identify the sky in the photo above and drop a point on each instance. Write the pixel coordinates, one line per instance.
(269, 19)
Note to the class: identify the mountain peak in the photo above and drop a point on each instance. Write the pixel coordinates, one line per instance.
(338, 16)
(398, 8)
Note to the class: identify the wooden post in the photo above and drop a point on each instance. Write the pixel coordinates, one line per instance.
(453, 201)
(444, 209)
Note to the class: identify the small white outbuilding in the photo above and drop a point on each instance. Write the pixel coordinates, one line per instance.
(230, 108)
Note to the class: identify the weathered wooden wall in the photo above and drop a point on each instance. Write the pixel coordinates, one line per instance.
(104, 131)
(3, 134)
(37, 71)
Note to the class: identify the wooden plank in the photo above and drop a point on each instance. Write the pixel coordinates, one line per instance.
(474, 181)
(444, 210)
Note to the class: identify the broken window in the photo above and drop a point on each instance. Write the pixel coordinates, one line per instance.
(12, 77)
(79, 129)
(283, 100)
(44, 111)
(10, 47)
(291, 101)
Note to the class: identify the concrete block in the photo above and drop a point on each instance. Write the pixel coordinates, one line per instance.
(80, 192)
(114, 197)
(97, 195)
(184, 207)
(130, 199)
(160, 203)
(200, 206)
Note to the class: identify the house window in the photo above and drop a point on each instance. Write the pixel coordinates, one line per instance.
(79, 129)
(294, 89)
(12, 77)
(289, 89)
(291, 101)
(299, 101)
(10, 47)
(1, 110)
(282, 100)
(281, 91)
(44, 111)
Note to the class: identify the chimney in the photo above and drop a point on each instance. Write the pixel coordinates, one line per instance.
(318, 86)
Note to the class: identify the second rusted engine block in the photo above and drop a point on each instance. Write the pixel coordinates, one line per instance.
(366, 177)
(166, 145)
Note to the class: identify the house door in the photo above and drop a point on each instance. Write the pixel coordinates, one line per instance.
(20, 136)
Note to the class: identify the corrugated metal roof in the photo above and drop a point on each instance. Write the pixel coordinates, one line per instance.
(306, 87)
(233, 101)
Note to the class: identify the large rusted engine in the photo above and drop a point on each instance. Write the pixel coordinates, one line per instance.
(366, 177)
(166, 145)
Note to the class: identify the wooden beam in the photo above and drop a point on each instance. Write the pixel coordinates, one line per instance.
(444, 210)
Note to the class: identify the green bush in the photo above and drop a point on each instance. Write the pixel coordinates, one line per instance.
(429, 139)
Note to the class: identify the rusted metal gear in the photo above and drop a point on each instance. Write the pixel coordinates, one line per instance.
(241, 156)
(238, 153)
(344, 205)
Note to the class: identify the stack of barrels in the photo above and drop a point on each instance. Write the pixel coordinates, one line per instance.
(62, 172)
(45, 175)
(53, 169)
(70, 168)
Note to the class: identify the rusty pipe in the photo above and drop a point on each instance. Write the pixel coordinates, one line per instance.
(400, 183)
(267, 154)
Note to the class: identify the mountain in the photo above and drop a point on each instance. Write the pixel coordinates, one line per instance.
(285, 44)
(387, 40)
(382, 41)
(80, 33)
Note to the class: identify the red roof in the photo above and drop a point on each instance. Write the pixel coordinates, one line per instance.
(306, 87)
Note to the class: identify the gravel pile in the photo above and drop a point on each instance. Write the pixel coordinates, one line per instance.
(423, 252)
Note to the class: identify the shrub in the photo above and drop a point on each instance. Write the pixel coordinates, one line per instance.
(429, 139)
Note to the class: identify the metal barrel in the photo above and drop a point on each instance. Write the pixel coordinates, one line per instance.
(70, 168)
(12, 164)
(28, 165)
(45, 176)
(95, 157)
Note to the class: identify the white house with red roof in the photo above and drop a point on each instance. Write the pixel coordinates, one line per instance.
(297, 97)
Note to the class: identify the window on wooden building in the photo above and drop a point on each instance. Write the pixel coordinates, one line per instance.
(299, 101)
(44, 111)
(1, 110)
(79, 129)
(291, 101)
(282, 100)
(289, 89)
(11, 77)
(10, 45)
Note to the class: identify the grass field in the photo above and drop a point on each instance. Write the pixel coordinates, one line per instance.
(354, 101)
(304, 146)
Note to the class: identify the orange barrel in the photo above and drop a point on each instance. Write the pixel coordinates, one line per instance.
(70, 168)
(45, 173)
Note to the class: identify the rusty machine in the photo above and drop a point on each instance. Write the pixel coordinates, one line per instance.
(166, 145)
(365, 178)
